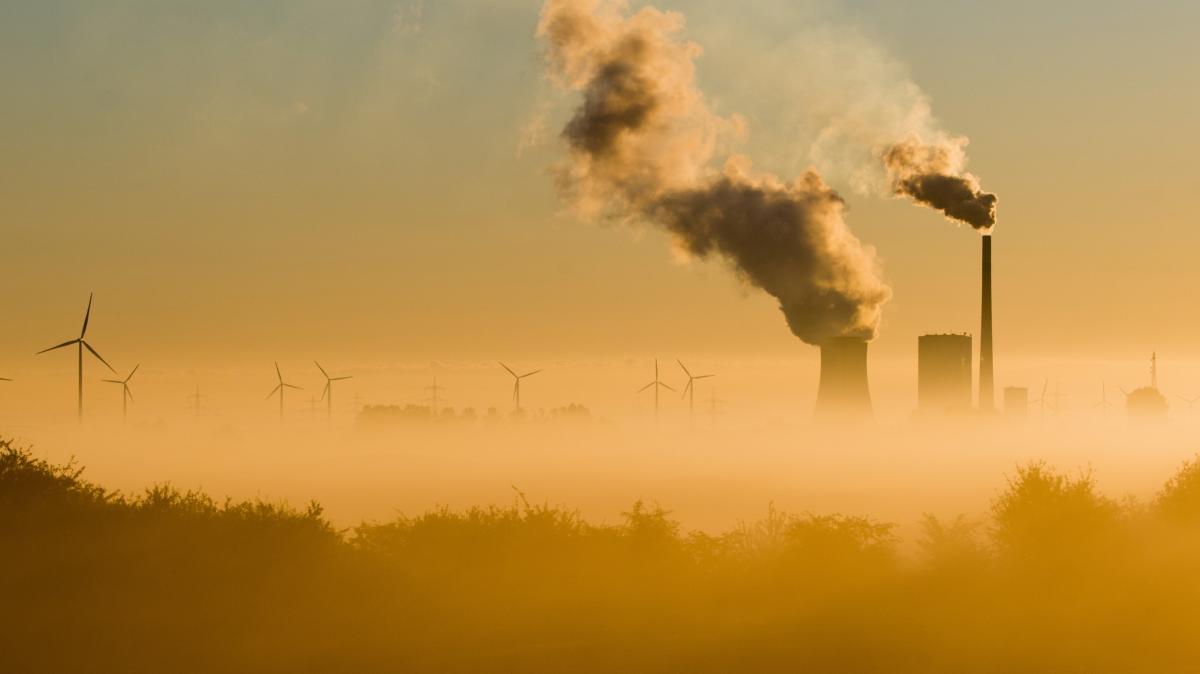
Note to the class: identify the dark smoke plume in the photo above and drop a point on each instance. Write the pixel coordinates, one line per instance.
(932, 175)
(641, 147)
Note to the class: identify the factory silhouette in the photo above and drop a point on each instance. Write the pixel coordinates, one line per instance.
(944, 381)
(944, 373)
(945, 376)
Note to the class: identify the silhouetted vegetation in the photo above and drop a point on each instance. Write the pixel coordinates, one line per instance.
(1058, 577)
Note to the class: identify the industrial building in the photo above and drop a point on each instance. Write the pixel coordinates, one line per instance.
(1147, 405)
(987, 386)
(944, 374)
(843, 391)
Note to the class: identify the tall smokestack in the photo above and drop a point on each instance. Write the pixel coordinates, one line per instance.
(986, 384)
(843, 390)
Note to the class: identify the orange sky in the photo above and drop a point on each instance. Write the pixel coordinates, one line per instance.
(299, 180)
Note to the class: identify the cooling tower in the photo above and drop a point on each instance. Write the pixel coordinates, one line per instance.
(987, 401)
(843, 391)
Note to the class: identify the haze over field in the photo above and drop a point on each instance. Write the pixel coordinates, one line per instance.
(503, 335)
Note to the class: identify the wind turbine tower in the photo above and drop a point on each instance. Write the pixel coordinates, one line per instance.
(126, 395)
(1191, 403)
(1103, 404)
(517, 384)
(279, 388)
(690, 390)
(327, 394)
(1041, 402)
(713, 404)
(657, 384)
(81, 345)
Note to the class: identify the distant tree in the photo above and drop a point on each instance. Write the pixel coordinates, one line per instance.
(1044, 514)
(1179, 499)
(952, 542)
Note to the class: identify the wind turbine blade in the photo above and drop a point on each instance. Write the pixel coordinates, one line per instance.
(278, 373)
(342, 378)
(665, 386)
(5, 379)
(135, 369)
(273, 391)
(685, 370)
(530, 374)
(647, 386)
(112, 381)
(321, 369)
(293, 386)
(704, 376)
(129, 393)
(324, 391)
(509, 369)
(87, 315)
(89, 348)
(73, 341)
(686, 389)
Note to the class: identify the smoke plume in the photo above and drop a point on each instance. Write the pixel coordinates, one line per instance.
(865, 122)
(933, 175)
(642, 145)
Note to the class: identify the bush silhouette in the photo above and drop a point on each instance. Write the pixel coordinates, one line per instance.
(1044, 514)
(1062, 579)
(1179, 500)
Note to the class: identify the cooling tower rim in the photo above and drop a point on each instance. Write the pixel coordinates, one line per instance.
(945, 334)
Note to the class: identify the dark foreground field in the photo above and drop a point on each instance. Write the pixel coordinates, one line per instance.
(1056, 578)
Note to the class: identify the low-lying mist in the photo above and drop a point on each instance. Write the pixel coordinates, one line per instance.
(712, 471)
(1050, 573)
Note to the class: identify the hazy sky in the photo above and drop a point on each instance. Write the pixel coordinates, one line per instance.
(275, 179)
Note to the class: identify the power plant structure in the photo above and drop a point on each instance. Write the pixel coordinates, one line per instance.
(1147, 405)
(987, 384)
(944, 374)
(843, 391)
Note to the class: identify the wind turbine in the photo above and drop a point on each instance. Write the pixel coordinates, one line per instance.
(1191, 402)
(657, 384)
(81, 344)
(690, 389)
(1041, 401)
(327, 394)
(517, 384)
(713, 403)
(126, 395)
(1057, 400)
(279, 389)
(1103, 404)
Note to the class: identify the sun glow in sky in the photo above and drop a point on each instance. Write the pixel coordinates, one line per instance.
(367, 182)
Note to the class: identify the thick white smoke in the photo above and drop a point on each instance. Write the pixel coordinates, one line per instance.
(643, 143)
(870, 123)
